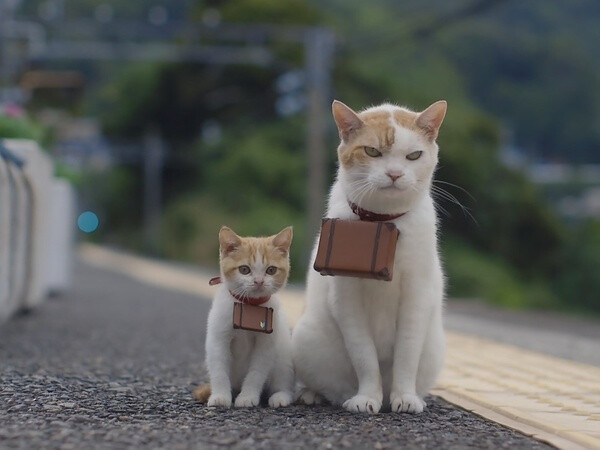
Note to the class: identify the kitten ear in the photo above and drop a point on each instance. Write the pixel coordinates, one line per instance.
(430, 120)
(228, 240)
(346, 120)
(283, 239)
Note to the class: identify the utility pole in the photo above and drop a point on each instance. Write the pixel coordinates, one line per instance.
(154, 156)
(319, 46)
(6, 13)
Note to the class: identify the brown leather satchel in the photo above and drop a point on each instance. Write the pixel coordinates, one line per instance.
(357, 248)
(252, 317)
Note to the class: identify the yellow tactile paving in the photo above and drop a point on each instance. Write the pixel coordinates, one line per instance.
(549, 398)
(558, 397)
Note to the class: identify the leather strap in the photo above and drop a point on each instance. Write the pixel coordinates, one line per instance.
(370, 216)
(242, 298)
(251, 300)
(329, 245)
(376, 246)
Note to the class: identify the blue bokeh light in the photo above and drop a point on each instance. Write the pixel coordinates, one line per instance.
(87, 222)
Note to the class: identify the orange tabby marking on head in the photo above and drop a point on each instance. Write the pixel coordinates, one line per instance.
(378, 132)
(250, 249)
(406, 119)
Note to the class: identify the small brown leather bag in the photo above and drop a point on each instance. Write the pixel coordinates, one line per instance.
(356, 248)
(252, 317)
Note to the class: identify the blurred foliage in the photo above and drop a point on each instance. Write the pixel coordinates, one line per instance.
(252, 180)
(541, 90)
(290, 12)
(22, 128)
(114, 195)
(469, 270)
(578, 284)
(527, 67)
(178, 99)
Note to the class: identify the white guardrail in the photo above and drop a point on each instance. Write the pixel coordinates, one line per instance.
(36, 227)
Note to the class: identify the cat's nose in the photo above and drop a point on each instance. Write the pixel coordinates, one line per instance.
(259, 281)
(393, 175)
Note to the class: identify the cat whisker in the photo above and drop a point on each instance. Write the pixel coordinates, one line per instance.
(456, 186)
(368, 191)
(443, 210)
(359, 190)
(361, 194)
(441, 193)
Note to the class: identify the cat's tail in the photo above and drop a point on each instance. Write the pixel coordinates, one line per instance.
(201, 393)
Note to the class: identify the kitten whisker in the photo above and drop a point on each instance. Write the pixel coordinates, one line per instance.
(242, 291)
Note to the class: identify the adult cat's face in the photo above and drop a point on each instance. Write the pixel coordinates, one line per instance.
(387, 154)
(254, 266)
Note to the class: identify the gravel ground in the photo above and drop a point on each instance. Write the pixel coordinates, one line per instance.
(112, 365)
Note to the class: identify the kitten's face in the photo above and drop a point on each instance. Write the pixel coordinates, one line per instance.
(387, 154)
(254, 266)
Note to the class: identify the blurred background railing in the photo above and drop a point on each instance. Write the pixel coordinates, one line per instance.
(36, 227)
(174, 118)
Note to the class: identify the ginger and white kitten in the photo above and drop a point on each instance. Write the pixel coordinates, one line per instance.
(362, 342)
(247, 361)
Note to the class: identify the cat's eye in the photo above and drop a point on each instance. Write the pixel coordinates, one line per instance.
(271, 270)
(244, 270)
(372, 152)
(414, 155)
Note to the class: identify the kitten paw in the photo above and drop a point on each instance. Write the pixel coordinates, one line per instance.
(246, 401)
(279, 399)
(362, 403)
(309, 397)
(223, 400)
(407, 403)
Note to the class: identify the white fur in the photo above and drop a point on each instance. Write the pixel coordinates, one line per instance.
(366, 343)
(247, 361)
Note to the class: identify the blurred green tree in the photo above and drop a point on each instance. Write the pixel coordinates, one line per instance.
(250, 171)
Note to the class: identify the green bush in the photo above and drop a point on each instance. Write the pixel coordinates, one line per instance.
(190, 226)
(473, 274)
(252, 180)
(21, 128)
(578, 279)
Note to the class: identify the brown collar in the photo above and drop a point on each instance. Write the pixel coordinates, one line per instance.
(242, 298)
(370, 216)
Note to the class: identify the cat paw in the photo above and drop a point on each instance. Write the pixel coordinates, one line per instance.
(223, 400)
(407, 403)
(309, 397)
(246, 401)
(362, 403)
(279, 399)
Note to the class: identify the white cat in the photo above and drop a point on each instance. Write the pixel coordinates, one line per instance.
(252, 270)
(362, 342)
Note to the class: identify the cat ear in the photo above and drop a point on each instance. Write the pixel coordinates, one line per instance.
(346, 120)
(430, 120)
(228, 240)
(283, 239)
